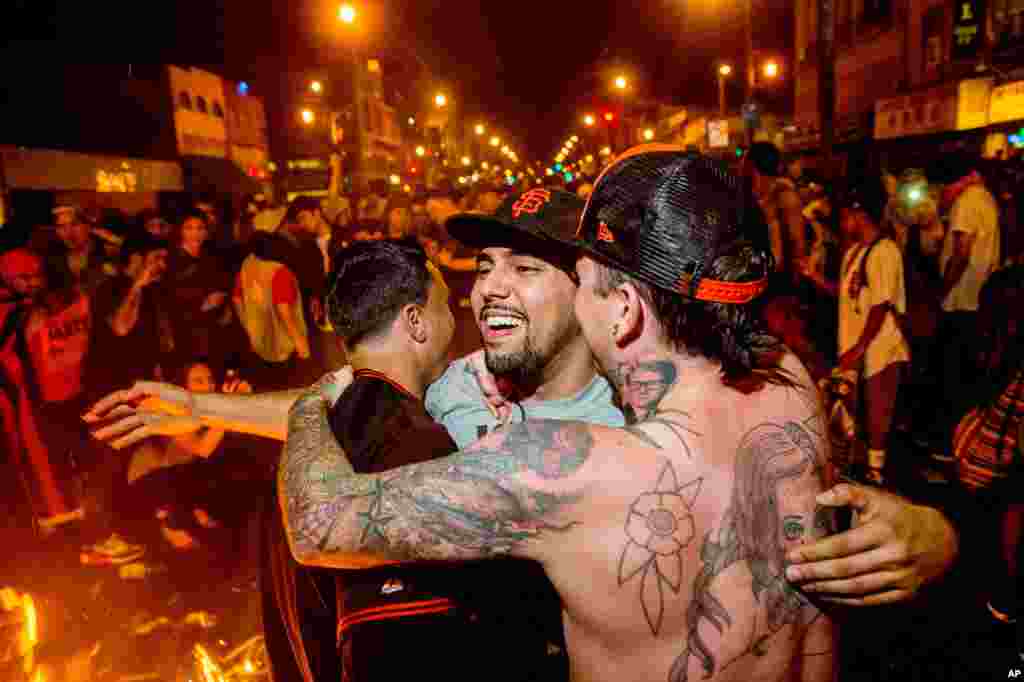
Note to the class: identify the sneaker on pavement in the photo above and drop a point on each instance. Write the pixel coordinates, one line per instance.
(1001, 615)
(111, 552)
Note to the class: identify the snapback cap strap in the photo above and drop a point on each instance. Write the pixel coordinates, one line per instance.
(718, 291)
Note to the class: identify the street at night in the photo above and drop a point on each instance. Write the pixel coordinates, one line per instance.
(382, 340)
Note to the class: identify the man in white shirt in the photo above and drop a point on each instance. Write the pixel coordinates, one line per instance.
(970, 253)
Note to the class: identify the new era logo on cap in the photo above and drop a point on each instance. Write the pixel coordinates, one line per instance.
(604, 233)
(531, 202)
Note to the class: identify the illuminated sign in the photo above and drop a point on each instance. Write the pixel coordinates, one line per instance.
(306, 164)
(968, 22)
(115, 181)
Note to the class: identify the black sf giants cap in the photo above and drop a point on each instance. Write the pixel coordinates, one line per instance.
(664, 215)
(539, 220)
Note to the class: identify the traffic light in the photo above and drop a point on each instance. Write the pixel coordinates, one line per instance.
(558, 168)
(739, 152)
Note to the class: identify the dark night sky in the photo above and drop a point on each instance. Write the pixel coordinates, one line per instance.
(529, 66)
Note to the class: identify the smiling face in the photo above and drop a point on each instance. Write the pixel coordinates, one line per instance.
(194, 234)
(524, 308)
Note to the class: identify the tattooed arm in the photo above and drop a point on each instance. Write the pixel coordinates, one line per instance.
(502, 495)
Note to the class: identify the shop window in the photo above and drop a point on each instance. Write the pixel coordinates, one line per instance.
(201, 105)
(184, 101)
(218, 111)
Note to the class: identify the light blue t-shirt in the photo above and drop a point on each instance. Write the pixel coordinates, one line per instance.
(456, 401)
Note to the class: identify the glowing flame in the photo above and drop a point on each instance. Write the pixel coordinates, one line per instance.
(207, 668)
(28, 605)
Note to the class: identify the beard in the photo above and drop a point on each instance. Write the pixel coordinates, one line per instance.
(522, 367)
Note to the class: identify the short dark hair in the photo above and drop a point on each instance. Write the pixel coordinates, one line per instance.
(187, 214)
(298, 205)
(865, 193)
(370, 283)
(766, 158)
(732, 334)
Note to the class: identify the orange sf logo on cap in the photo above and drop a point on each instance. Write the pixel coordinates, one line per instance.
(531, 202)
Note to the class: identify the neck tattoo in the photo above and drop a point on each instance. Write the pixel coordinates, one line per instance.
(642, 385)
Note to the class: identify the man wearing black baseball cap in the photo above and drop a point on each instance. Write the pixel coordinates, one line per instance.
(667, 539)
(522, 301)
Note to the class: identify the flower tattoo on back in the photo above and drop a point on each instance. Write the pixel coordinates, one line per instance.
(659, 525)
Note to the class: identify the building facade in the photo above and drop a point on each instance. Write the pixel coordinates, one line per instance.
(199, 116)
(906, 68)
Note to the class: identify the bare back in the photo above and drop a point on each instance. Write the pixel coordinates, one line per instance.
(665, 539)
(676, 570)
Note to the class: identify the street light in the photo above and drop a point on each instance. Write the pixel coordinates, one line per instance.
(347, 13)
(588, 120)
(316, 87)
(724, 71)
(412, 120)
(480, 129)
(440, 100)
(308, 116)
(648, 134)
(771, 69)
(421, 151)
(575, 138)
(609, 116)
(495, 141)
(466, 161)
(621, 83)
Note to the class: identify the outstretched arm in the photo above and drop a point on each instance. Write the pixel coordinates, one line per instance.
(150, 408)
(503, 495)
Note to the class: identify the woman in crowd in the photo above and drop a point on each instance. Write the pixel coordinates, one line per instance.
(197, 286)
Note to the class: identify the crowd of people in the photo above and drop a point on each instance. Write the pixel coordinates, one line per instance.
(904, 285)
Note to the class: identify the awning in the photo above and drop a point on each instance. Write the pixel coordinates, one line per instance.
(210, 173)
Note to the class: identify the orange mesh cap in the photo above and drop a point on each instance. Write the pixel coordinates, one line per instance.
(665, 215)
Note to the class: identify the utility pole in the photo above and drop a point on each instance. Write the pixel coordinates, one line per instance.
(749, 115)
(721, 95)
(827, 79)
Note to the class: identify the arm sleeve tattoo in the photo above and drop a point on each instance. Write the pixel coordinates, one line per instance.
(490, 499)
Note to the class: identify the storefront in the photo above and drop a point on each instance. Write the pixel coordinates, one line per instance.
(35, 180)
(916, 129)
(1006, 118)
